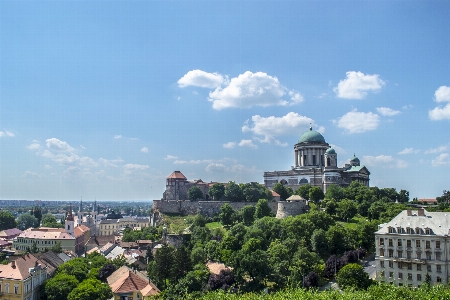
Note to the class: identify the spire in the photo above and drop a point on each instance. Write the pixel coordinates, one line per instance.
(81, 204)
(69, 215)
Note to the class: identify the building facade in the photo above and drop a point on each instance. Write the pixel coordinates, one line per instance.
(414, 248)
(113, 226)
(316, 163)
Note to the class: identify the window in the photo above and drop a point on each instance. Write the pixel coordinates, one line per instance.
(400, 275)
(391, 264)
(438, 269)
(399, 264)
(390, 243)
(408, 254)
(408, 243)
(427, 231)
(391, 274)
(409, 231)
(399, 230)
(428, 255)
(7, 288)
(418, 243)
(409, 266)
(391, 230)
(438, 244)
(400, 253)
(409, 276)
(16, 289)
(399, 242)
(391, 253)
(381, 252)
(419, 255)
(419, 267)
(419, 277)
(381, 242)
(427, 245)
(438, 279)
(382, 264)
(438, 256)
(428, 268)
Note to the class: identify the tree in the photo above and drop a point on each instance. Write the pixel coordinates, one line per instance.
(315, 194)
(248, 214)
(91, 289)
(319, 242)
(303, 191)
(25, 221)
(334, 192)
(77, 267)
(403, 196)
(34, 248)
(311, 280)
(353, 276)
(233, 192)
(195, 193)
(337, 239)
(282, 191)
(48, 220)
(60, 286)
(163, 265)
(224, 280)
(346, 209)
(445, 198)
(106, 271)
(226, 215)
(253, 191)
(7, 220)
(330, 206)
(37, 213)
(57, 248)
(181, 264)
(217, 191)
(263, 209)
(199, 220)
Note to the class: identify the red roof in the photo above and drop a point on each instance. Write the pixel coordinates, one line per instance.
(177, 175)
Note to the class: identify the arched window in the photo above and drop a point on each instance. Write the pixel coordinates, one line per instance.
(328, 162)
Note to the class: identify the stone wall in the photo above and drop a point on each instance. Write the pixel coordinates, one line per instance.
(291, 208)
(206, 208)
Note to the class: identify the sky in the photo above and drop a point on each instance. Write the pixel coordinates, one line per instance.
(105, 99)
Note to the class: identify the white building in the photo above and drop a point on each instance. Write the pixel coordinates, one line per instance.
(413, 244)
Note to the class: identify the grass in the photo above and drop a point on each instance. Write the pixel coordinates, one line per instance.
(353, 223)
(213, 225)
(175, 223)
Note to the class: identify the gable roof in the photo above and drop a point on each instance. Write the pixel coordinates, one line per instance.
(361, 169)
(177, 175)
(20, 268)
(124, 280)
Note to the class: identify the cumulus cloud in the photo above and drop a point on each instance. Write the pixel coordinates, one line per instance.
(437, 149)
(442, 94)
(236, 168)
(118, 136)
(338, 149)
(58, 145)
(34, 146)
(358, 122)
(144, 149)
(356, 85)
(29, 174)
(252, 89)
(131, 168)
(387, 112)
(168, 157)
(191, 162)
(110, 162)
(271, 127)
(202, 79)
(216, 167)
(6, 133)
(409, 151)
(442, 160)
(385, 161)
(247, 143)
(229, 145)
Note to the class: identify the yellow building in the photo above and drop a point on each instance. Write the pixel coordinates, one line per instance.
(127, 284)
(21, 279)
(113, 226)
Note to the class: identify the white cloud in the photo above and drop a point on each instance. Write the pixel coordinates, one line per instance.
(442, 160)
(229, 145)
(191, 162)
(356, 85)
(387, 112)
(34, 146)
(110, 162)
(338, 149)
(118, 136)
(144, 149)
(442, 94)
(409, 106)
(247, 143)
(437, 149)
(358, 122)
(130, 168)
(6, 133)
(252, 89)
(216, 167)
(82, 147)
(385, 161)
(271, 127)
(29, 174)
(237, 168)
(201, 78)
(170, 157)
(58, 145)
(409, 151)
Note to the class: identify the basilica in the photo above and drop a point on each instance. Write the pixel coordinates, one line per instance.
(315, 162)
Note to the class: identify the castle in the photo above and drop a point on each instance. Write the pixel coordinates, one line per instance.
(315, 162)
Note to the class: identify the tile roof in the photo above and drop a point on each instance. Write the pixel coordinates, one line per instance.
(21, 267)
(177, 175)
(215, 268)
(10, 232)
(46, 233)
(296, 198)
(124, 280)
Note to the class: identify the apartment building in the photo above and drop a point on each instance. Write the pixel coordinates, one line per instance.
(413, 248)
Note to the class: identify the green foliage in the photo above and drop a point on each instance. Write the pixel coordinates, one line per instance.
(233, 192)
(315, 194)
(56, 248)
(198, 255)
(48, 220)
(263, 209)
(254, 191)
(199, 221)
(282, 191)
(353, 276)
(217, 191)
(346, 209)
(7, 220)
(91, 289)
(181, 264)
(25, 221)
(146, 233)
(319, 242)
(77, 267)
(248, 214)
(37, 213)
(195, 193)
(226, 215)
(60, 286)
(334, 192)
(162, 266)
(303, 191)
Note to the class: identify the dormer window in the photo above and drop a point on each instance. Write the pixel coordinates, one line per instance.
(399, 230)
(418, 231)
(409, 230)
(427, 231)
(391, 229)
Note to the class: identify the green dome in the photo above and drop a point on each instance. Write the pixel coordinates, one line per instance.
(354, 159)
(330, 151)
(311, 136)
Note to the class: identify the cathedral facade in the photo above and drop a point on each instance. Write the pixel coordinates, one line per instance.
(315, 162)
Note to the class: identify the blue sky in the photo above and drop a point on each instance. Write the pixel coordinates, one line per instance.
(104, 99)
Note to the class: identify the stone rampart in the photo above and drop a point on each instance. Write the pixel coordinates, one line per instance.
(206, 208)
(291, 208)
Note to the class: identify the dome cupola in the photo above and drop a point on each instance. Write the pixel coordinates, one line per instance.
(311, 136)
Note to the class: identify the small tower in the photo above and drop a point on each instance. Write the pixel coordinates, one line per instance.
(330, 158)
(70, 222)
(355, 161)
(80, 212)
(94, 211)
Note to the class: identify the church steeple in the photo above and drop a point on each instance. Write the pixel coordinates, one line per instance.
(70, 221)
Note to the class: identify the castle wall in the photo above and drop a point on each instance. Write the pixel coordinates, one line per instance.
(291, 208)
(206, 208)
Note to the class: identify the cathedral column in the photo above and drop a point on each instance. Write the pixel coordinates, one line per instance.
(296, 157)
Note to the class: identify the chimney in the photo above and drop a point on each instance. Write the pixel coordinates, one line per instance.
(13, 264)
(420, 212)
(408, 212)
